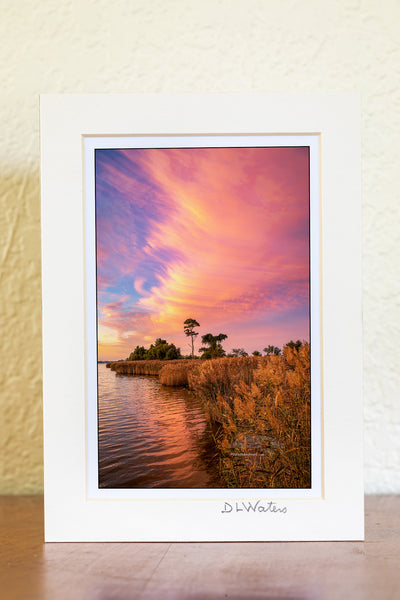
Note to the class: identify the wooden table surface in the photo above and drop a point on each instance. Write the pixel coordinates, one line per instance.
(30, 569)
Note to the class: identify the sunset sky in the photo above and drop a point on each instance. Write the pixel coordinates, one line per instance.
(220, 235)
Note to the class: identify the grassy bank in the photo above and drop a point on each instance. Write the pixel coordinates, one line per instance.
(258, 410)
(259, 413)
(137, 367)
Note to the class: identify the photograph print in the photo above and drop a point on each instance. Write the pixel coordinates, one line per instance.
(203, 317)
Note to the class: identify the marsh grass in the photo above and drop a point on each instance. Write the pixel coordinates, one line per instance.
(138, 367)
(259, 413)
(170, 372)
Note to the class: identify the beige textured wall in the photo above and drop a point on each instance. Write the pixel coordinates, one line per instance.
(196, 46)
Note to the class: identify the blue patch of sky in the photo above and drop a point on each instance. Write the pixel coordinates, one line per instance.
(134, 205)
(131, 203)
(295, 314)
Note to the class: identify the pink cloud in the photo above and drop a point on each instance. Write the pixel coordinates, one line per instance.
(231, 233)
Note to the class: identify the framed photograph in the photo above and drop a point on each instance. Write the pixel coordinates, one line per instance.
(201, 317)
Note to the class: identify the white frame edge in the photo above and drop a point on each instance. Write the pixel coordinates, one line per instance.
(69, 514)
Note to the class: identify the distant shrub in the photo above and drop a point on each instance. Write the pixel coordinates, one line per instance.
(160, 350)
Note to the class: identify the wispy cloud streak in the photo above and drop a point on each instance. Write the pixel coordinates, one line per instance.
(221, 235)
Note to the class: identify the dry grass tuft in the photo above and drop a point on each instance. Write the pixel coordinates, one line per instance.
(174, 374)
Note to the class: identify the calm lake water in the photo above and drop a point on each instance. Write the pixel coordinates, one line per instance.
(151, 436)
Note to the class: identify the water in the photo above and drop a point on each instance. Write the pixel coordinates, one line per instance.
(151, 436)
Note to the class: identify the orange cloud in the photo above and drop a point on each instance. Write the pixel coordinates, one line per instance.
(232, 237)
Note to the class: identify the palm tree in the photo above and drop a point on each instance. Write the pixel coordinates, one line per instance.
(213, 347)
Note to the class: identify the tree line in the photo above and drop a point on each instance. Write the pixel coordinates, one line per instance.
(211, 347)
(212, 344)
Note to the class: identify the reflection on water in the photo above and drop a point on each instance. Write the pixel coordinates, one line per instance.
(150, 435)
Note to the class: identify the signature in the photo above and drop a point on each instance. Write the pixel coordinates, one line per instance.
(259, 506)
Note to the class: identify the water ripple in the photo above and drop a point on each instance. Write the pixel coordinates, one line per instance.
(149, 435)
